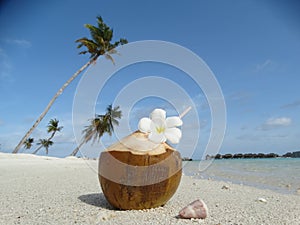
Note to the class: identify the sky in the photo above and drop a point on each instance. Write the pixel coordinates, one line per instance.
(251, 47)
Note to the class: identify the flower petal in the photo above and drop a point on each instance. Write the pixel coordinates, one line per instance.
(173, 121)
(145, 125)
(173, 135)
(157, 123)
(157, 137)
(158, 113)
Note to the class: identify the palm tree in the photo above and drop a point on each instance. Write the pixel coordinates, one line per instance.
(53, 127)
(100, 44)
(100, 125)
(28, 143)
(46, 143)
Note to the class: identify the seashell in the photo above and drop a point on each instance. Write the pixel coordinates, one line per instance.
(262, 200)
(197, 210)
(226, 187)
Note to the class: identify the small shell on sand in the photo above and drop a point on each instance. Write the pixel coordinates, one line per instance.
(197, 210)
(261, 200)
(226, 187)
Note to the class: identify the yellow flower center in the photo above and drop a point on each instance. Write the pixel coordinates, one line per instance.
(160, 129)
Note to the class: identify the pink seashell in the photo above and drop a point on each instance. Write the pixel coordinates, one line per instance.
(197, 209)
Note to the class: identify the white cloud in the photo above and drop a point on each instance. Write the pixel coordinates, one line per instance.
(19, 42)
(273, 123)
(281, 121)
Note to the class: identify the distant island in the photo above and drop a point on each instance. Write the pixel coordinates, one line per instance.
(186, 159)
(254, 155)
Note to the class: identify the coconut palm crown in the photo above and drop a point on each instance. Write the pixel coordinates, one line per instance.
(53, 127)
(46, 143)
(100, 125)
(100, 44)
(28, 143)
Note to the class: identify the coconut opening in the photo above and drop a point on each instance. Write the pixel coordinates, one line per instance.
(138, 143)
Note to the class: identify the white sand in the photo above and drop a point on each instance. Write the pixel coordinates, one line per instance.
(46, 190)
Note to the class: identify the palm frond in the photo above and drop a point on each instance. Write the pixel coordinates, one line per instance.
(102, 124)
(28, 143)
(100, 42)
(53, 126)
(89, 44)
(112, 51)
(109, 57)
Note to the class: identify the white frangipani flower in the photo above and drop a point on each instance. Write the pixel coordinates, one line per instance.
(161, 128)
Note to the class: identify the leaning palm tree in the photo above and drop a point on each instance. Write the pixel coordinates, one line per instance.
(100, 125)
(46, 143)
(100, 44)
(28, 143)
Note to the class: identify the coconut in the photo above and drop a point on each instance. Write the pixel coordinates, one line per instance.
(136, 173)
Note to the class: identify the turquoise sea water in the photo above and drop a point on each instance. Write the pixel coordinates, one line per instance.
(278, 174)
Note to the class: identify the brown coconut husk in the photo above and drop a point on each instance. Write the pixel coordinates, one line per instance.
(136, 173)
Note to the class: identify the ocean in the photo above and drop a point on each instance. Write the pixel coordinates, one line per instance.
(277, 174)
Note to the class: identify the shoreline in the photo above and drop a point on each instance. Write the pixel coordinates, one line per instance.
(277, 174)
(286, 191)
(48, 190)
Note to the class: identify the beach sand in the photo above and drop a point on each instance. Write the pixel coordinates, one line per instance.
(47, 190)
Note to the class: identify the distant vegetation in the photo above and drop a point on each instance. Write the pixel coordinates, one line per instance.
(186, 159)
(254, 155)
(52, 128)
(292, 154)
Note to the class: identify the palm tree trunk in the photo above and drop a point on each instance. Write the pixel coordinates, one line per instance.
(75, 151)
(52, 135)
(37, 149)
(58, 93)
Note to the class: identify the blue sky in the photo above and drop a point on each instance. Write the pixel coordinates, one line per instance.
(252, 47)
